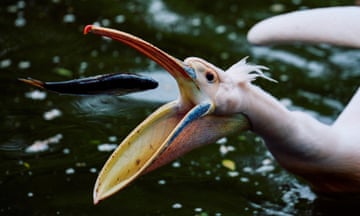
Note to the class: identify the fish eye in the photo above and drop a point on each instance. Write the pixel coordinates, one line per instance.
(210, 77)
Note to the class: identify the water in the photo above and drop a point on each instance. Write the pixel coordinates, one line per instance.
(52, 147)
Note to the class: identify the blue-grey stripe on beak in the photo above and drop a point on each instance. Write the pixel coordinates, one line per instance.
(195, 113)
(190, 71)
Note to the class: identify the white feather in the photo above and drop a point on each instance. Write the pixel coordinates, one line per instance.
(243, 72)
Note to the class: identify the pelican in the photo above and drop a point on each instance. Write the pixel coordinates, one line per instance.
(193, 120)
(214, 103)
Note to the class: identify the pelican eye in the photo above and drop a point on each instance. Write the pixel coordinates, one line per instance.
(210, 77)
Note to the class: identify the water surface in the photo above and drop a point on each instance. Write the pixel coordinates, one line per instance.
(52, 146)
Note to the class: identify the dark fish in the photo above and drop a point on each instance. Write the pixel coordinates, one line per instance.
(108, 84)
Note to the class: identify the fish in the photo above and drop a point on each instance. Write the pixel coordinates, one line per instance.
(106, 84)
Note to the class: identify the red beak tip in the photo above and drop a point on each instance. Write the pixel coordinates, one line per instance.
(87, 29)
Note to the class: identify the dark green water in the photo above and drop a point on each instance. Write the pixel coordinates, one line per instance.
(44, 40)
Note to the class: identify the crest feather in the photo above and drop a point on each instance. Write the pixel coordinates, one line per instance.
(244, 72)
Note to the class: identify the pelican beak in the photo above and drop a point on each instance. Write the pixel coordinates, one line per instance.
(168, 132)
(181, 72)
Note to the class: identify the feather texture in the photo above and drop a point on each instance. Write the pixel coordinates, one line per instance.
(243, 72)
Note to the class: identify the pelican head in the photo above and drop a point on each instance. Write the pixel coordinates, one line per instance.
(198, 117)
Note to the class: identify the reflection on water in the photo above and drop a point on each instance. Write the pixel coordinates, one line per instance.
(43, 145)
(52, 146)
(165, 92)
(36, 95)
